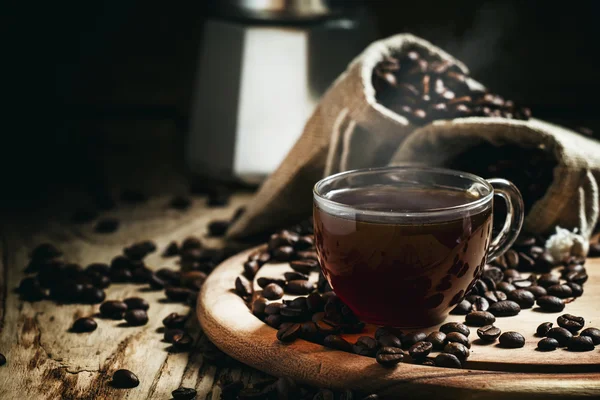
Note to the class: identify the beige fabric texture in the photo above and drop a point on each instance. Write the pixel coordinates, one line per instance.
(350, 130)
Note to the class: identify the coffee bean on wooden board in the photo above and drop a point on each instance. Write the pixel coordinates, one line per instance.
(481, 304)
(537, 291)
(543, 328)
(389, 356)
(550, 304)
(576, 289)
(455, 327)
(580, 343)
(272, 291)
(365, 346)
(288, 333)
(184, 393)
(446, 360)
(462, 308)
(124, 379)
(593, 333)
(456, 337)
(505, 287)
(300, 287)
(459, 350)
(84, 325)
(411, 338)
(547, 280)
(570, 322)
(547, 344)
(561, 291)
(511, 340)
(523, 297)
(560, 334)
(113, 309)
(488, 333)
(337, 342)
(390, 340)
(506, 308)
(136, 303)
(107, 225)
(480, 318)
(136, 317)
(420, 350)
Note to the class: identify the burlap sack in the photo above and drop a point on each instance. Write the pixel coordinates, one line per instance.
(350, 130)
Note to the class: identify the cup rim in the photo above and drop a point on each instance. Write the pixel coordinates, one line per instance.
(437, 212)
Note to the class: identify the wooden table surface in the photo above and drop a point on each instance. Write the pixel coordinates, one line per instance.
(45, 361)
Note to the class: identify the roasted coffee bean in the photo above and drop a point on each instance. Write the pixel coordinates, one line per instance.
(506, 308)
(458, 350)
(139, 250)
(184, 393)
(309, 331)
(84, 325)
(580, 343)
(307, 255)
(560, 291)
(479, 288)
(512, 259)
(45, 251)
(579, 278)
(365, 346)
(263, 282)
(136, 303)
(107, 225)
(272, 291)
(493, 273)
(446, 360)
(537, 291)
(547, 280)
(420, 350)
(479, 318)
(455, 337)
(66, 291)
(171, 250)
(288, 333)
(124, 379)
(543, 328)
(523, 297)
(315, 302)
(169, 275)
(92, 295)
(113, 309)
(511, 340)
(462, 308)
(389, 340)
(489, 283)
(576, 268)
(522, 283)
(455, 327)
(300, 287)
(550, 304)
(2, 359)
(171, 335)
(156, 283)
(576, 289)
(488, 333)
(326, 328)
(481, 304)
(191, 242)
(273, 308)
(283, 253)
(174, 320)
(183, 343)
(505, 287)
(273, 320)
(136, 317)
(437, 340)
(304, 266)
(411, 338)
(99, 281)
(30, 289)
(217, 228)
(547, 344)
(121, 275)
(511, 275)
(593, 333)
(251, 268)
(98, 268)
(544, 262)
(494, 296)
(389, 356)
(291, 313)
(560, 334)
(382, 331)
(178, 294)
(242, 287)
(338, 343)
(571, 322)
(292, 276)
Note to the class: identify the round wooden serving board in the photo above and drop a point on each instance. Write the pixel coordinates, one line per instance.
(491, 372)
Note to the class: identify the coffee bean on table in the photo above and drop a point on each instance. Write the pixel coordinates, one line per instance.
(543, 328)
(283, 253)
(511, 275)
(512, 259)
(263, 282)
(292, 276)
(136, 317)
(84, 325)
(251, 268)
(456, 337)
(537, 291)
(107, 225)
(455, 327)
(447, 360)
(243, 287)
(273, 308)
(389, 340)
(494, 296)
(136, 303)
(493, 273)
(550, 304)
(576, 289)
(178, 294)
(31, 290)
(489, 333)
(561, 291)
(184, 393)
(511, 340)
(272, 291)
(523, 297)
(171, 250)
(437, 340)
(480, 318)
(420, 350)
(365, 346)
(506, 308)
(472, 298)
(459, 350)
(547, 344)
(183, 342)
(171, 335)
(124, 379)
(560, 334)
(2, 359)
(547, 280)
(288, 333)
(304, 266)
(389, 356)
(113, 309)
(580, 343)
(481, 304)
(218, 228)
(337, 342)
(593, 333)
(300, 287)
(411, 338)
(505, 287)
(579, 278)
(45, 251)
(462, 308)
(174, 320)
(571, 322)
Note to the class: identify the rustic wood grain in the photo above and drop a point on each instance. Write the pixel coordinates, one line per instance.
(46, 361)
(491, 372)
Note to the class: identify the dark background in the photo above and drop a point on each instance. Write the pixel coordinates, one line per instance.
(98, 92)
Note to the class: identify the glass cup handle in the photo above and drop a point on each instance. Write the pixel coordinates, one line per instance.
(514, 217)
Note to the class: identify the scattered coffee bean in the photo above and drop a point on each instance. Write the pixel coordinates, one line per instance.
(171, 250)
(437, 340)
(178, 294)
(45, 251)
(460, 351)
(263, 282)
(446, 360)
(523, 297)
(283, 253)
(174, 320)
(124, 379)
(560, 291)
(580, 343)
(547, 344)
(537, 291)
(411, 338)
(2, 359)
(136, 317)
(579, 278)
(462, 308)
(593, 333)
(576, 289)
(543, 328)
(389, 356)
(550, 304)
(455, 327)
(506, 308)
(107, 225)
(571, 322)
(84, 325)
(505, 287)
(481, 304)
(184, 393)
(171, 335)
(304, 266)
(243, 287)
(337, 342)
(113, 309)
(288, 333)
(389, 340)
(30, 289)
(547, 280)
(273, 320)
(456, 337)
(272, 291)
(315, 302)
(365, 346)
(560, 334)
(511, 340)
(494, 296)
(300, 287)
(488, 333)
(273, 308)
(511, 275)
(183, 342)
(480, 318)
(292, 276)
(420, 350)
(136, 303)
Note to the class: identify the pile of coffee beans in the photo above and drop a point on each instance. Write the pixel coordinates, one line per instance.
(422, 87)
(567, 334)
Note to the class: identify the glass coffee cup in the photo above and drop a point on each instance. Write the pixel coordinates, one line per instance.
(401, 246)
